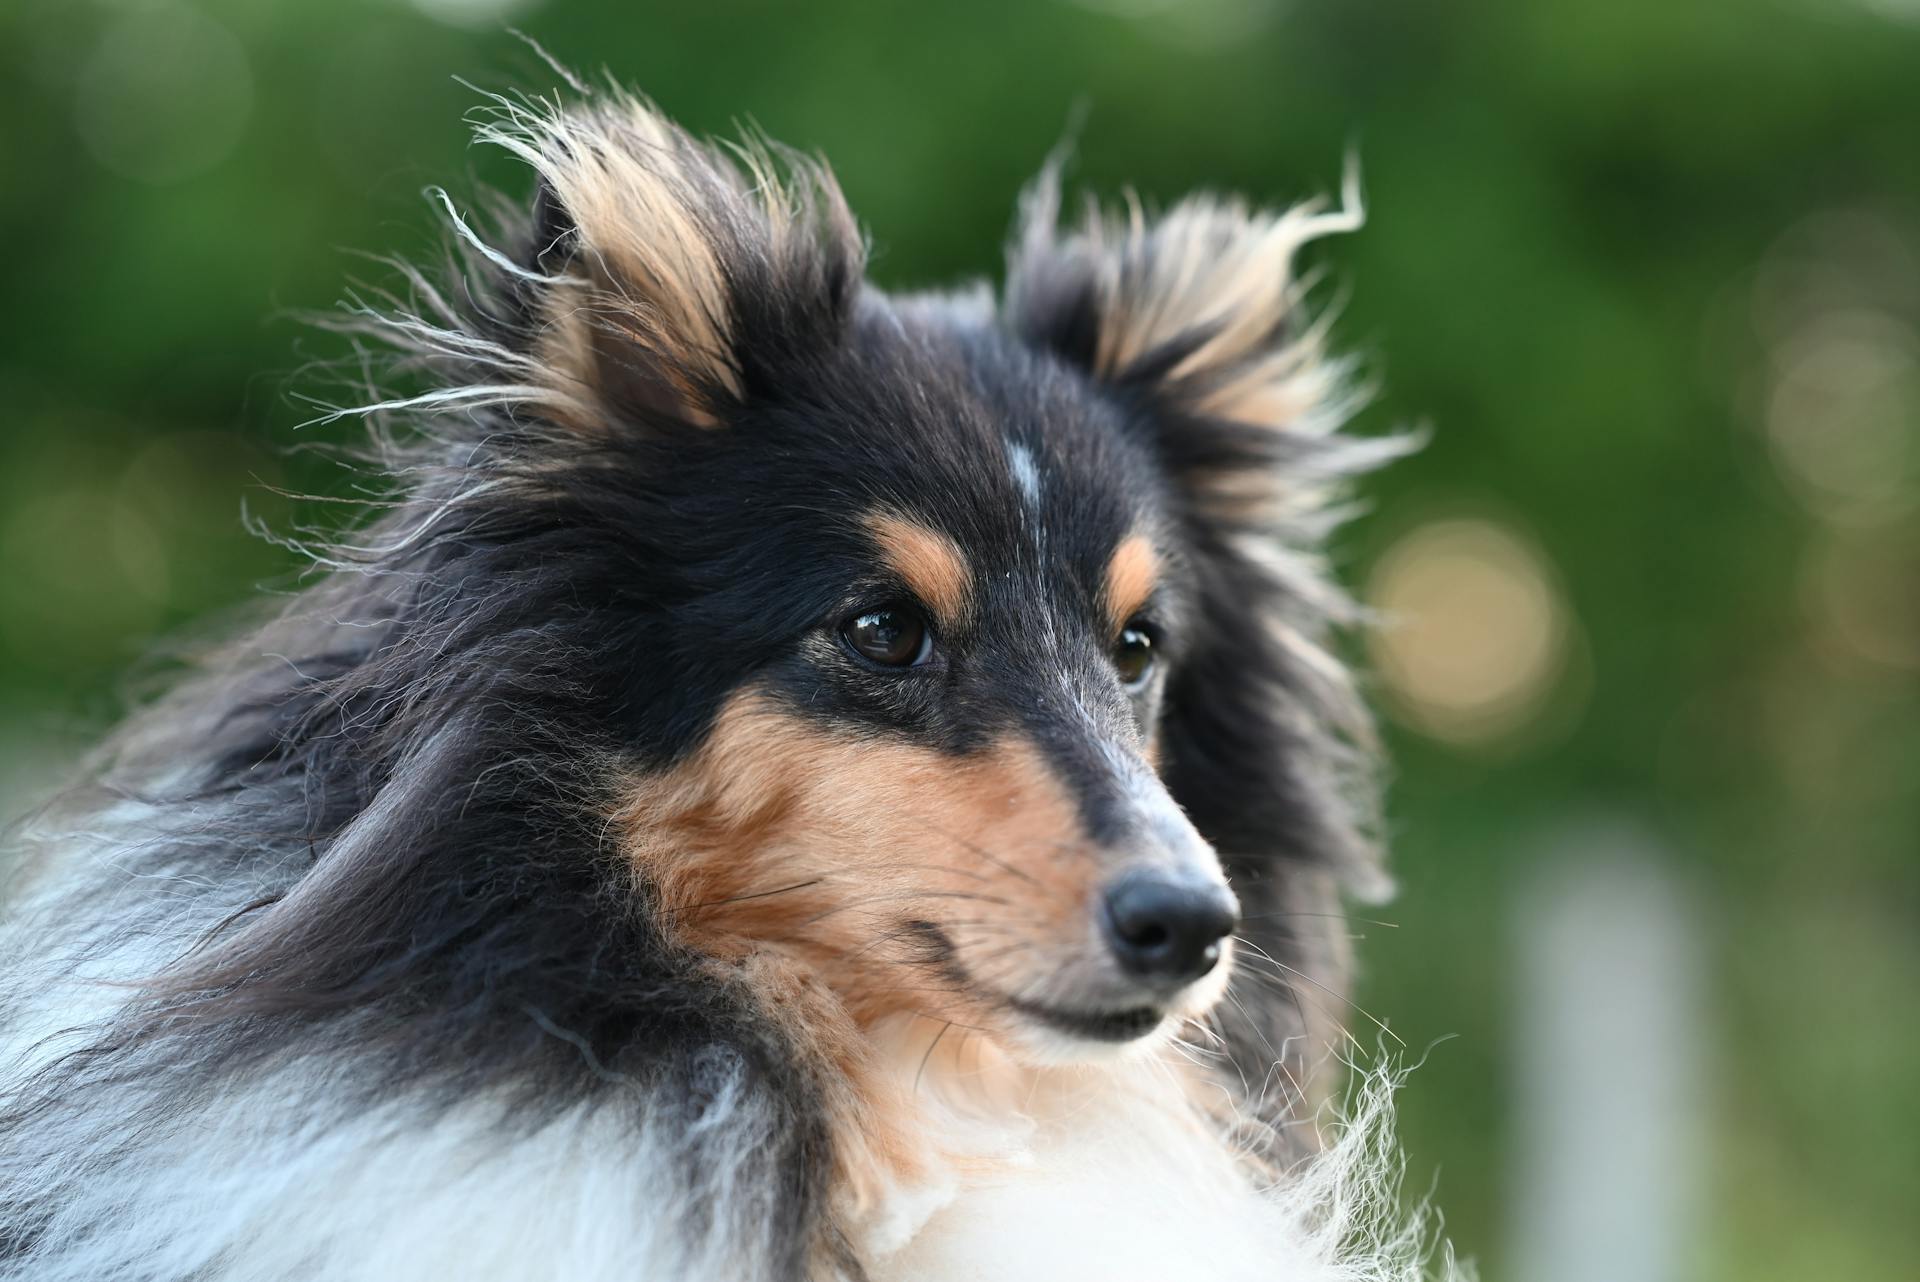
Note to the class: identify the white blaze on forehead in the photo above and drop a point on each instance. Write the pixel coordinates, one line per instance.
(1026, 473)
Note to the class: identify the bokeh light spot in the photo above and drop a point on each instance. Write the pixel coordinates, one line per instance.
(70, 594)
(165, 94)
(1863, 595)
(188, 488)
(1474, 637)
(1841, 414)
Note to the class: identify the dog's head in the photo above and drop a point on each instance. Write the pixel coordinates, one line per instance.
(960, 655)
(971, 646)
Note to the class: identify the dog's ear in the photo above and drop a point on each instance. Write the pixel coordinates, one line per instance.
(1196, 320)
(1200, 314)
(663, 276)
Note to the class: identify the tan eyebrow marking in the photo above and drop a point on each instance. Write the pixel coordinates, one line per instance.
(1131, 573)
(929, 562)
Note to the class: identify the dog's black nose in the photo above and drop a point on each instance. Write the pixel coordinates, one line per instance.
(1167, 929)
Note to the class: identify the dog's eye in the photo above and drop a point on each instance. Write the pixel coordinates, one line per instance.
(1133, 656)
(894, 636)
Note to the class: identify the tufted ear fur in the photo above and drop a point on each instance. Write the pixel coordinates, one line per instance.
(664, 275)
(1196, 320)
(1200, 311)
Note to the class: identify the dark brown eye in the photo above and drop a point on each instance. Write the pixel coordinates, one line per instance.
(1133, 656)
(893, 636)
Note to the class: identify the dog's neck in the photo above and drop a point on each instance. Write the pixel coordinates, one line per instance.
(962, 1136)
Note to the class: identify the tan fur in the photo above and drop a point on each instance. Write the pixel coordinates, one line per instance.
(779, 838)
(1132, 571)
(793, 860)
(927, 561)
(1218, 267)
(660, 216)
(1220, 272)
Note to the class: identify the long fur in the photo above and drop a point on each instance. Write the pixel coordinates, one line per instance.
(339, 962)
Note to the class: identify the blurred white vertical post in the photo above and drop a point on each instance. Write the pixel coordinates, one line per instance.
(1608, 1046)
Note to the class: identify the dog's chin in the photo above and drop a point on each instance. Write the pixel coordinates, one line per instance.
(1062, 1032)
(1071, 1035)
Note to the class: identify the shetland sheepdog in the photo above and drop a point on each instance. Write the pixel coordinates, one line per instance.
(790, 782)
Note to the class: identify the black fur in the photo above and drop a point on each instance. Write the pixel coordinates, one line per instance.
(404, 779)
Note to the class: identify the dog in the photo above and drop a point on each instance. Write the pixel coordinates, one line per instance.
(790, 782)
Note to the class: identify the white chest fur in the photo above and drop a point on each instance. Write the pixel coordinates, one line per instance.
(1092, 1173)
(1098, 1174)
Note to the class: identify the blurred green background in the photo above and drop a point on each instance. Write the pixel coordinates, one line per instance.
(1649, 269)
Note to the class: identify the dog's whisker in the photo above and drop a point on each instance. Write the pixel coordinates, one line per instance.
(741, 899)
(987, 925)
(980, 851)
(904, 896)
(1297, 973)
(1291, 992)
(1364, 921)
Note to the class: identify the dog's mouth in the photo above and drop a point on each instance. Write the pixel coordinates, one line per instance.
(1094, 1025)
